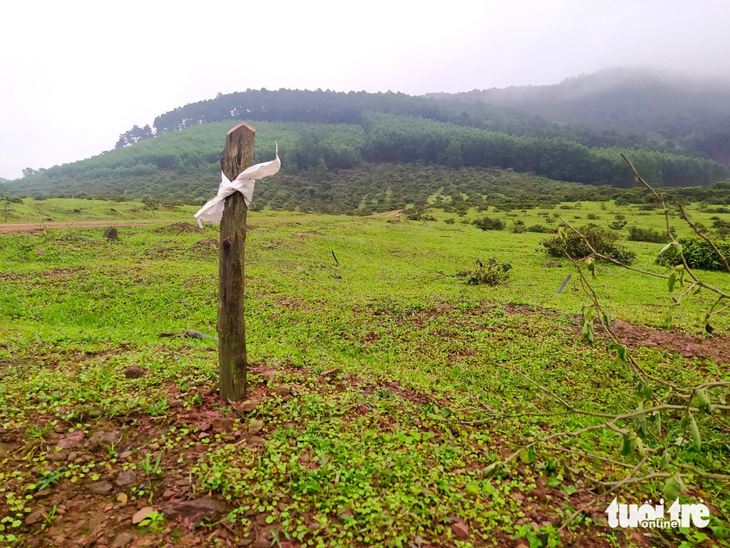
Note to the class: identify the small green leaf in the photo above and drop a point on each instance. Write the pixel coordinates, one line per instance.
(664, 463)
(638, 445)
(672, 280)
(490, 470)
(641, 419)
(695, 432)
(626, 448)
(473, 488)
(527, 456)
(703, 399)
(673, 487)
(552, 465)
(588, 330)
(554, 481)
(606, 320)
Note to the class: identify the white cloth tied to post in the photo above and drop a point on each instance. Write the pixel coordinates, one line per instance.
(212, 212)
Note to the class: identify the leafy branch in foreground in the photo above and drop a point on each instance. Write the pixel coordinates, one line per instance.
(671, 423)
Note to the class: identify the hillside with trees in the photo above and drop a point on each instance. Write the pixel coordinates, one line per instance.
(336, 149)
(673, 112)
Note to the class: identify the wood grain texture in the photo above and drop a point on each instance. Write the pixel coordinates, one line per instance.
(237, 156)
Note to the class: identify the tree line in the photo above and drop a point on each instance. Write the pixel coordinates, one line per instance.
(330, 107)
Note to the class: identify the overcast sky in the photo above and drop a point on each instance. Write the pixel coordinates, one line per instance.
(74, 75)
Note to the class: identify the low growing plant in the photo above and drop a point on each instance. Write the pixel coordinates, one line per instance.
(638, 234)
(601, 240)
(492, 273)
(487, 223)
(698, 253)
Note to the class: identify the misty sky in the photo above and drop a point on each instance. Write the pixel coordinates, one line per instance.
(74, 75)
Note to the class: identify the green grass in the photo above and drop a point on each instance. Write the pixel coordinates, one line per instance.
(379, 426)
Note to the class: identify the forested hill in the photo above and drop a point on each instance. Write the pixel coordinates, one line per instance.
(672, 110)
(323, 136)
(316, 152)
(330, 107)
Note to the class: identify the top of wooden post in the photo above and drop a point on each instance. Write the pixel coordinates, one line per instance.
(238, 152)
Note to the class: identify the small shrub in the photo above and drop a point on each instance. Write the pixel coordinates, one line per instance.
(619, 216)
(487, 223)
(450, 221)
(592, 217)
(698, 254)
(637, 234)
(421, 217)
(617, 225)
(518, 226)
(492, 273)
(603, 241)
(542, 229)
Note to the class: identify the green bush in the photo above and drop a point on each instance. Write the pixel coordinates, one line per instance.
(617, 225)
(637, 234)
(518, 226)
(487, 223)
(698, 254)
(603, 241)
(492, 273)
(542, 229)
(420, 217)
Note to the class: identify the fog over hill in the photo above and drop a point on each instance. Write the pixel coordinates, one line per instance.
(674, 109)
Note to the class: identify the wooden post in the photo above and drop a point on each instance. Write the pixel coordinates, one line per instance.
(236, 157)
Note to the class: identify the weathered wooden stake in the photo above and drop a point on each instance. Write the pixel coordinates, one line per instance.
(236, 157)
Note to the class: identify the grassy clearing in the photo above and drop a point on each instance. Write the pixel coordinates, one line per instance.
(373, 386)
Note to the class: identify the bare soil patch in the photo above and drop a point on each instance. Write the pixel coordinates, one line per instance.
(715, 348)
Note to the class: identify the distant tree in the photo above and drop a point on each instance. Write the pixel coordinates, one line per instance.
(134, 135)
(29, 171)
(454, 156)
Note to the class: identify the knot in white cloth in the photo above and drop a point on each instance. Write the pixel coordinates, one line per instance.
(212, 212)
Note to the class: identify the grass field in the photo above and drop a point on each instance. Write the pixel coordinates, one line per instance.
(383, 388)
